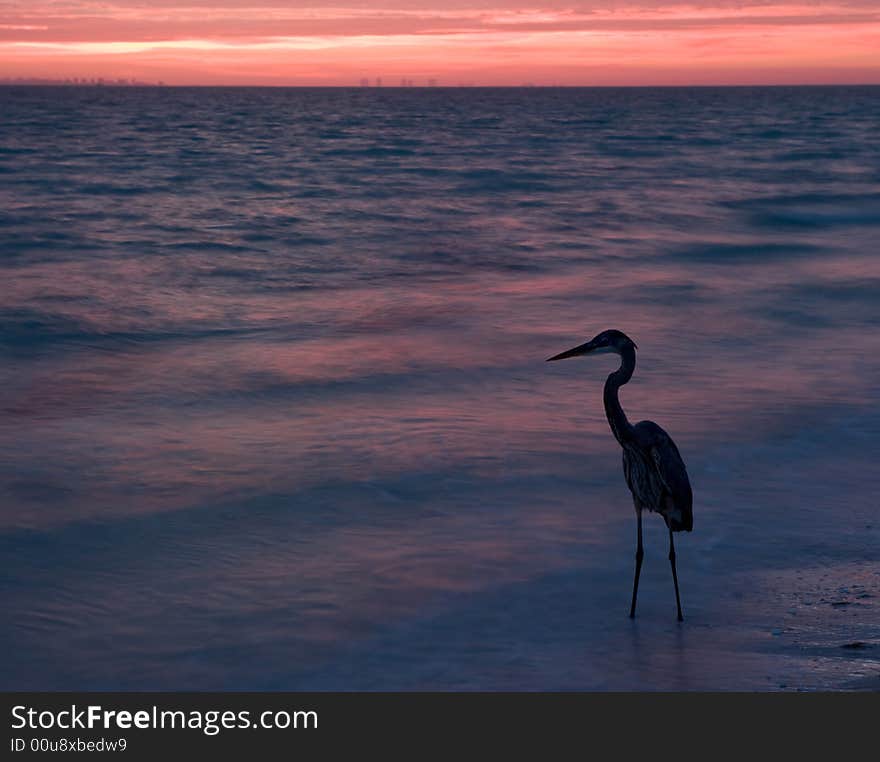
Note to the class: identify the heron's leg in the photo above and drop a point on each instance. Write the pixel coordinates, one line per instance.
(674, 575)
(639, 555)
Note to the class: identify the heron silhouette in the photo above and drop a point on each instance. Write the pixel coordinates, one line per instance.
(653, 468)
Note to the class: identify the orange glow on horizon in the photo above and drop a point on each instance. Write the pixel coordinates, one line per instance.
(265, 43)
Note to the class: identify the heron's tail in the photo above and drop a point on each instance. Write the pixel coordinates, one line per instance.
(679, 513)
(684, 524)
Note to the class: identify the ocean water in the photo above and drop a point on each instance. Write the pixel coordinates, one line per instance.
(274, 411)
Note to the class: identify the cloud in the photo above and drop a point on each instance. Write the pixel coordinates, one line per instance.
(84, 21)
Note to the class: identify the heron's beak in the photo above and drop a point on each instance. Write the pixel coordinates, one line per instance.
(574, 352)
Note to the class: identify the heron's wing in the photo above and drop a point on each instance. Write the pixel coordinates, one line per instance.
(671, 471)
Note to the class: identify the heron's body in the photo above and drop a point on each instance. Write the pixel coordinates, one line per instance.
(668, 495)
(654, 470)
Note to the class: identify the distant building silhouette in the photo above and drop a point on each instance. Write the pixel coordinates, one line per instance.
(76, 82)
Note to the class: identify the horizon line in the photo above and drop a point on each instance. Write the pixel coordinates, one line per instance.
(48, 82)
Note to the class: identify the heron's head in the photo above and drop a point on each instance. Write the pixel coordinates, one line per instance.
(608, 341)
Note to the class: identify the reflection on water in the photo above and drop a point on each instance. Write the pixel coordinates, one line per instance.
(275, 411)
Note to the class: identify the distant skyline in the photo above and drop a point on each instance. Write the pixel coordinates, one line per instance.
(493, 42)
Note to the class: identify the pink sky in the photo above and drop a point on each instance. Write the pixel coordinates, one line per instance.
(493, 42)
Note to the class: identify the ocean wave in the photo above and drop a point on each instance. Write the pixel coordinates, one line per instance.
(721, 252)
(30, 329)
(811, 210)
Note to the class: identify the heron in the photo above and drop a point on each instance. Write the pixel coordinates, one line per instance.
(652, 466)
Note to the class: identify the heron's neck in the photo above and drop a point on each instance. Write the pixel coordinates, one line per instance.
(620, 426)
